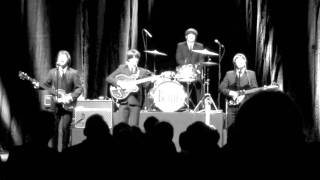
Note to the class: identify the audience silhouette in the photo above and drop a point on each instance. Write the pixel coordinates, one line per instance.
(94, 155)
(199, 145)
(34, 158)
(267, 134)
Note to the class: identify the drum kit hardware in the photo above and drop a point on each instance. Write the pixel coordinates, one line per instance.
(155, 52)
(169, 94)
(206, 52)
(209, 63)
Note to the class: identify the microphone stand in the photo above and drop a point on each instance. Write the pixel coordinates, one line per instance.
(219, 73)
(145, 44)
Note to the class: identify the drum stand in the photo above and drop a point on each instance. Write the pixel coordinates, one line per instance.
(188, 96)
(206, 100)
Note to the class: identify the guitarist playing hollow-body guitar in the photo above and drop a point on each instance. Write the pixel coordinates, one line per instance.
(129, 94)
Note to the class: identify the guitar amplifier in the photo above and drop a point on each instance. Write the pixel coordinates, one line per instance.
(85, 108)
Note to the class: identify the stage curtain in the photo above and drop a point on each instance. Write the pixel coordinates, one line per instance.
(314, 62)
(283, 54)
(97, 33)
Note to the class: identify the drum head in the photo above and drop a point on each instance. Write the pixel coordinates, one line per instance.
(169, 96)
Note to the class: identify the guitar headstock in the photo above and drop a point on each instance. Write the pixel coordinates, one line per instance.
(23, 76)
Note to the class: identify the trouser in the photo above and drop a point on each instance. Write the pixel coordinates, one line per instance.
(129, 114)
(231, 117)
(61, 137)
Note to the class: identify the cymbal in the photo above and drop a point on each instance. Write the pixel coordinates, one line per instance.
(155, 52)
(209, 63)
(206, 52)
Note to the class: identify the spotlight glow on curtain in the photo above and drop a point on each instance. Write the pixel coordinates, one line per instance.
(9, 122)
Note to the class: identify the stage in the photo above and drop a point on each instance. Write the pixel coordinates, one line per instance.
(179, 120)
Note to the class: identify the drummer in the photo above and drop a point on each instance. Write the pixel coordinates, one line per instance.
(187, 61)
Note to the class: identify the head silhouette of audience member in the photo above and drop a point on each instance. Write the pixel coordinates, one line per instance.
(268, 121)
(96, 128)
(150, 123)
(202, 138)
(120, 127)
(163, 130)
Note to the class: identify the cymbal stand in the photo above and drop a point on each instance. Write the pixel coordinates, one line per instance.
(188, 96)
(206, 101)
(207, 96)
(146, 105)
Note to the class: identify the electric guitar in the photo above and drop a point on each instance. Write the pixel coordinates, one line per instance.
(61, 96)
(236, 100)
(121, 93)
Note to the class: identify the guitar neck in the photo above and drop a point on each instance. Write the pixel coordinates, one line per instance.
(41, 85)
(254, 90)
(140, 81)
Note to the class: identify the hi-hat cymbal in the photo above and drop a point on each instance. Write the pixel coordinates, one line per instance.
(155, 52)
(209, 63)
(206, 52)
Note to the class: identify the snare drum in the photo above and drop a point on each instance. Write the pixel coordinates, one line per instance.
(168, 75)
(168, 96)
(187, 73)
(165, 76)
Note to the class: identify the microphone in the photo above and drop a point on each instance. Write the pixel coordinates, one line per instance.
(147, 32)
(218, 42)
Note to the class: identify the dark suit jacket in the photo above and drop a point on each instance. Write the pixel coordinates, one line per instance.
(247, 81)
(135, 98)
(185, 56)
(70, 83)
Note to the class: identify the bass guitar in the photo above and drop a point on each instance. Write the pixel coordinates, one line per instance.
(61, 97)
(132, 85)
(236, 100)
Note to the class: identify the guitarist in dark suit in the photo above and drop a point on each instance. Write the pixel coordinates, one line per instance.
(63, 82)
(234, 83)
(130, 106)
(185, 56)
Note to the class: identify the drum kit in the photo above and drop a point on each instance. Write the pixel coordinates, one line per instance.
(169, 94)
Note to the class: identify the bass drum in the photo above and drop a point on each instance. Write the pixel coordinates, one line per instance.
(168, 96)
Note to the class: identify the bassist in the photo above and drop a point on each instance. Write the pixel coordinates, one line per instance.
(64, 79)
(235, 83)
(129, 108)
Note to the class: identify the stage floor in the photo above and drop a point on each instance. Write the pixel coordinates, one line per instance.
(181, 120)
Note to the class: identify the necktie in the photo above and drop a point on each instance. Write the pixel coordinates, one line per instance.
(238, 79)
(61, 72)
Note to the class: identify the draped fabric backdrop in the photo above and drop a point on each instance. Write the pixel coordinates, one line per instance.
(280, 39)
(314, 61)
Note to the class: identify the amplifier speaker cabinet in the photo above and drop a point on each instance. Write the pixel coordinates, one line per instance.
(83, 110)
(86, 108)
